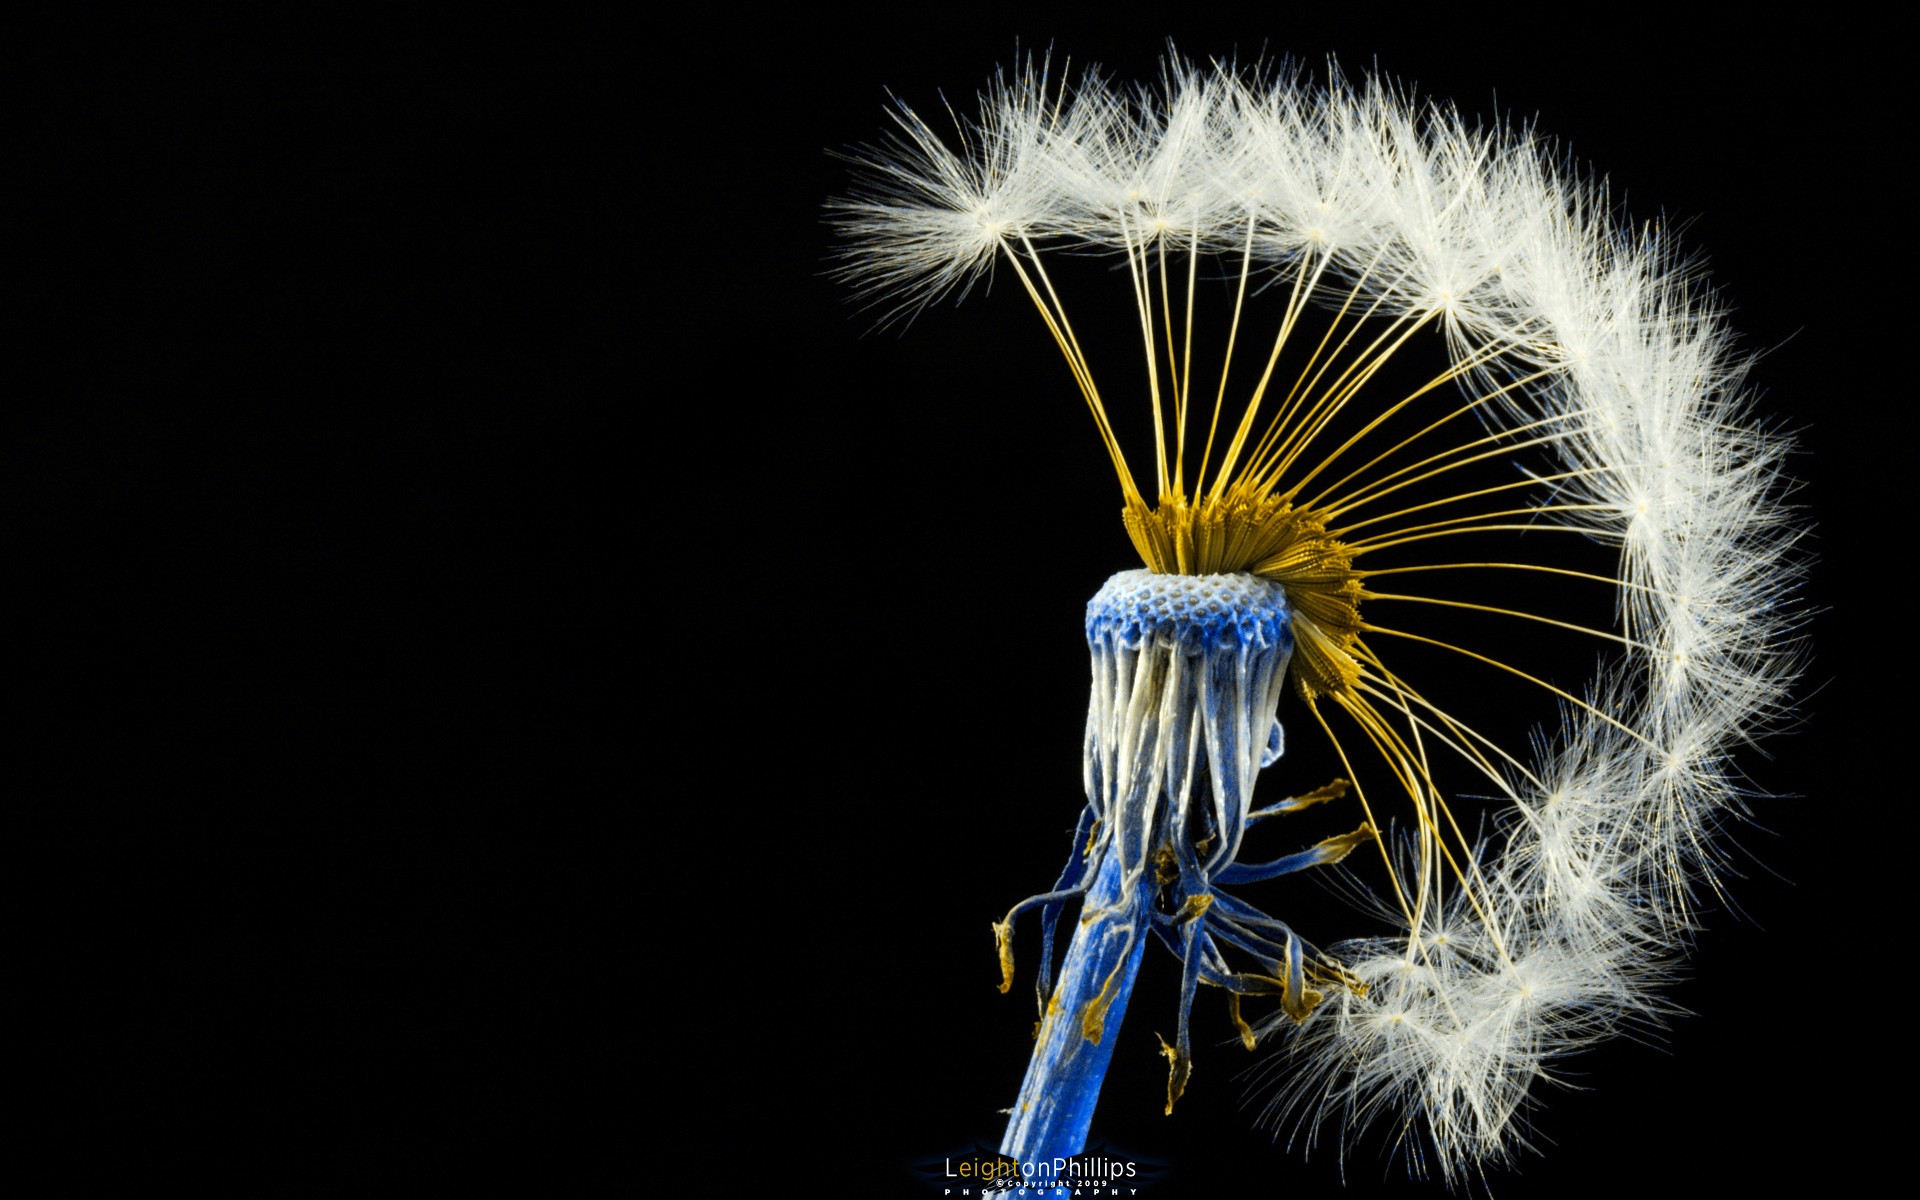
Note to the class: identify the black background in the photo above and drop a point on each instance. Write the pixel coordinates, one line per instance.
(529, 659)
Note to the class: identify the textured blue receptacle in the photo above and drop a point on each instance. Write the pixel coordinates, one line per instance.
(1201, 613)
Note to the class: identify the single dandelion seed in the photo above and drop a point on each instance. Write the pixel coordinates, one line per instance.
(1300, 504)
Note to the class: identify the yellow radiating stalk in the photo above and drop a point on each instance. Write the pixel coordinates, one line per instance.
(1295, 302)
(1471, 876)
(1512, 566)
(1288, 417)
(1505, 442)
(1418, 760)
(1185, 394)
(1569, 697)
(1373, 727)
(1298, 425)
(1173, 357)
(1459, 525)
(1143, 302)
(1226, 365)
(1394, 409)
(1608, 635)
(1429, 828)
(1416, 777)
(1313, 369)
(1465, 737)
(1457, 497)
(1366, 809)
(1063, 337)
(1344, 388)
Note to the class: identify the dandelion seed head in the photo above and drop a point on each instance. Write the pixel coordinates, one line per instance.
(1585, 347)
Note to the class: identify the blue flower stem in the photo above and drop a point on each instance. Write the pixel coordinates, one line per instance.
(1057, 1098)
